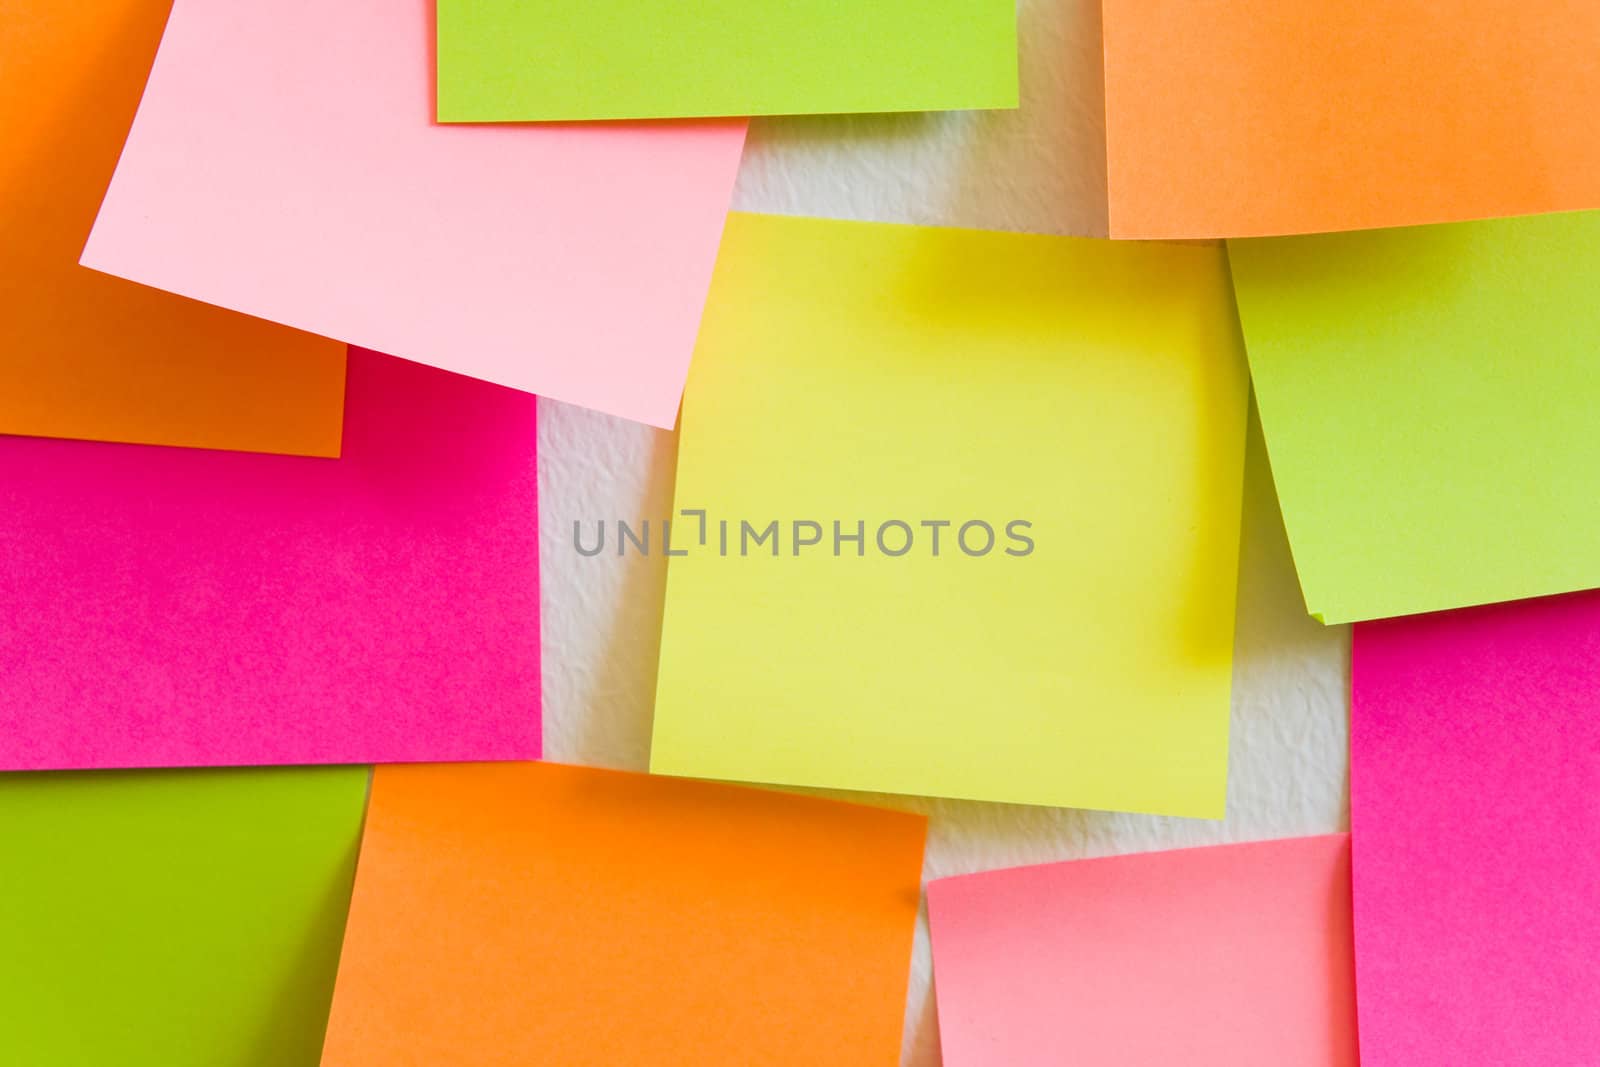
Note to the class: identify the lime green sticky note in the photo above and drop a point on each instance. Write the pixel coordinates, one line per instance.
(542, 60)
(173, 918)
(957, 513)
(1431, 403)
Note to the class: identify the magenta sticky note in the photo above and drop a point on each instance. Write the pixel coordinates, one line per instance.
(1475, 813)
(176, 607)
(285, 163)
(1233, 956)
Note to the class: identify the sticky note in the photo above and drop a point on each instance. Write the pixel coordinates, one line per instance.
(172, 607)
(1232, 956)
(173, 919)
(1237, 955)
(285, 163)
(1475, 811)
(86, 356)
(514, 60)
(957, 514)
(1428, 397)
(535, 913)
(1255, 118)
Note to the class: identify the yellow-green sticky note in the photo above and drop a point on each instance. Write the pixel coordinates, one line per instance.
(173, 918)
(545, 60)
(957, 514)
(1431, 403)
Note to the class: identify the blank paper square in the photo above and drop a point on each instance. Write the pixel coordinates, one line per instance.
(957, 515)
(1235, 956)
(514, 914)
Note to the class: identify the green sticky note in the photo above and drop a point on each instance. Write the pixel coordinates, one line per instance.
(1431, 403)
(173, 918)
(543, 60)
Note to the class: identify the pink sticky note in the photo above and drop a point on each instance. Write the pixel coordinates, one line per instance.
(1475, 812)
(1236, 956)
(170, 607)
(285, 163)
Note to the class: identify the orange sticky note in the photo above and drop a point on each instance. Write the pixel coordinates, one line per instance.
(1245, 118)
(521, 913)
(89, 356)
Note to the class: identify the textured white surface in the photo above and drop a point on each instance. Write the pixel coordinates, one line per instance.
(1040, 169)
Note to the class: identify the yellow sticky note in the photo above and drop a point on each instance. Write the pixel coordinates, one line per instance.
(957, 514)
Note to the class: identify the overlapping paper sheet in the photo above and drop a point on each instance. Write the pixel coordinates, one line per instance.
(516, 60)
(174, 918)
(1245, 118)
(164, 607)
(86, 356)
(566, 915)
(1429, 400)
(285, 163)
(1072, 411)
(1475, 808)
(1234, 956)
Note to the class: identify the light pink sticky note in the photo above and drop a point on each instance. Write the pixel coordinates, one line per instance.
(172, 607)
(285, 163)
(1475, 813)
(1236, 956)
